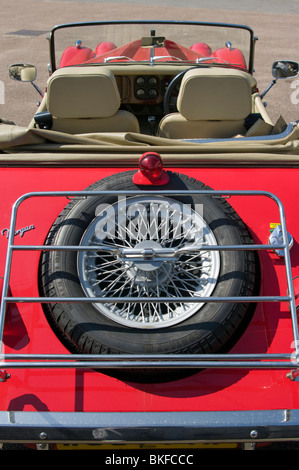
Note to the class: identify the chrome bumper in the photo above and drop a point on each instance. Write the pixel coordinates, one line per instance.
(149, 427)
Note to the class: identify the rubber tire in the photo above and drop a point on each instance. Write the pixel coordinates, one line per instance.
(213, 328)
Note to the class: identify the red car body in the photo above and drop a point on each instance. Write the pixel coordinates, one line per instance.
(247, 395)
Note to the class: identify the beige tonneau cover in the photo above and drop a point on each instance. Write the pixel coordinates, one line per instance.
(26, 144)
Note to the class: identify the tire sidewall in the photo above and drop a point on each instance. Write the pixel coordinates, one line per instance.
(200, 333)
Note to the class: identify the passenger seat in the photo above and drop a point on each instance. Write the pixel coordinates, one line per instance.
(85, 99)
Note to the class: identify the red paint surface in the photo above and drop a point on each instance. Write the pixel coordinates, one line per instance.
(27, 330)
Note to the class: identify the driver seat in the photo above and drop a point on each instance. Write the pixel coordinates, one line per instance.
(86, 100)
(212, 103)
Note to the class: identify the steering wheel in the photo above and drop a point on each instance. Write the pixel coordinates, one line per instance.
(167, 106)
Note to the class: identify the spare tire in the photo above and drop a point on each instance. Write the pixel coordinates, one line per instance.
(148, 248)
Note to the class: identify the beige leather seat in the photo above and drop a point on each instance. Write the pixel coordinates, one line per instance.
(86, 99)
(212, 103)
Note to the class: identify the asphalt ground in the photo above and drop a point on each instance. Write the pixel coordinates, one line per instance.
(24, 25)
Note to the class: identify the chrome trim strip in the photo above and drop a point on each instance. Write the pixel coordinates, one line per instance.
(263, 138)
(149, 427)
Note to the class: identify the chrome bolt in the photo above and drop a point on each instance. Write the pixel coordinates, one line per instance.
(253, 434)
(43, 435)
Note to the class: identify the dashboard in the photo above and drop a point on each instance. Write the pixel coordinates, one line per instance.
(142, 89)
(144, 85)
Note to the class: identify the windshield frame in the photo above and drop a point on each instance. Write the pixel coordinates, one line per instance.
(52, 35)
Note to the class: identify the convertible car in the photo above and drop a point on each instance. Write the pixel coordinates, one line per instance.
(149, 254)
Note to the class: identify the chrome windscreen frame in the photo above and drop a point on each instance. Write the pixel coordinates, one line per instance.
(52, 35)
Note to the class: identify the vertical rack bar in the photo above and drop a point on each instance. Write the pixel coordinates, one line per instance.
(289, 280)
(7, 269)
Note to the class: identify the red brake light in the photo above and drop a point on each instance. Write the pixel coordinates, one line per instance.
(150, 170)
(151, 166)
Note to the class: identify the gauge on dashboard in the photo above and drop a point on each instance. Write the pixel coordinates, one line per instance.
(140, 81)
(146, 87)
(140, 93)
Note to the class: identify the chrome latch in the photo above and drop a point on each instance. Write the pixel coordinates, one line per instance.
(276, 238)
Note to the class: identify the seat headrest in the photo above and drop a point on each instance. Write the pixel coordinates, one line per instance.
(82, 92)
(215, 94)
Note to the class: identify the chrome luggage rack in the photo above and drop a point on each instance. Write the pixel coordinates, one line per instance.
(288, 361)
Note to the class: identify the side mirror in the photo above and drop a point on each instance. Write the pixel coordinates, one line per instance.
(285, 69)
(23, 72)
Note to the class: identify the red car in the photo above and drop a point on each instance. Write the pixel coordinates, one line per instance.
(149, 254)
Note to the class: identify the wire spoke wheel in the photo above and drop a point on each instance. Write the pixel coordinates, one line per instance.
(145, 263)
(151, 248)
